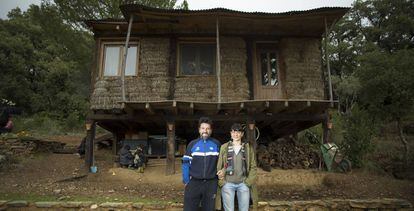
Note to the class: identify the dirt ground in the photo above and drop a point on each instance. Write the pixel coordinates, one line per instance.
(41, 175)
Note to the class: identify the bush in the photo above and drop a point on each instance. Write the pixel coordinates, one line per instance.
(359, 129)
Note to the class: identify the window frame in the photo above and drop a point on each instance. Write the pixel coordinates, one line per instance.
(212, 41)
(121, 44)
(269, 51)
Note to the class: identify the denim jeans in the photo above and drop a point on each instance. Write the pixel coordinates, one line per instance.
(243, 196)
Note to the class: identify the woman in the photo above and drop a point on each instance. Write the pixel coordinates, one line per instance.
(236, 169)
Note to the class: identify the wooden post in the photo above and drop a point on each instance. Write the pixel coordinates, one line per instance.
(326, 127)
(115, 149)
(250, 133)
(90, 136)
(124, 58)
(170, 170)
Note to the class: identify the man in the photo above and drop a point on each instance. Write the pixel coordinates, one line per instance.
(199, 169)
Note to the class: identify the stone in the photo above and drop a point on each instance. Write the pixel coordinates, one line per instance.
(46, 204)
(77, 204)
(155, 207)
(17, 203)
(94, 206)
(138, 205)
(177, 205)
(114, 205)
(280, 203)
(262, 204)
(3, 202)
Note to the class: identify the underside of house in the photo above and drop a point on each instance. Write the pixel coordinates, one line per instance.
(260, 69)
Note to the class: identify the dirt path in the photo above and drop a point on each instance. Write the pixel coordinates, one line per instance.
(38, 175)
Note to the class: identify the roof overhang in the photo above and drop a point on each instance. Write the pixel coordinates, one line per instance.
(154, 20)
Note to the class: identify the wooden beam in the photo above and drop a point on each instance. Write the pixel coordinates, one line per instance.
(191, 108)
(218, 108)
(170, 169)
(148, 109)
(250, 133)
(142, 118)
(174, 107)
(241, 108)
(90, 136)
(265, 107)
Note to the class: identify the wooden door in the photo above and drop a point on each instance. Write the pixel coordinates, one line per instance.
(266, 75)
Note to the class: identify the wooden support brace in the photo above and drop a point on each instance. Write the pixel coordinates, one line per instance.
(174, 107)
(148, 109)
(286, 103)
(241, 108)
(191, 108)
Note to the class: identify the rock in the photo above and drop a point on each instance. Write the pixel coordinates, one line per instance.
(94, 206)
(46, 204)
(17, 203)
(57, 191)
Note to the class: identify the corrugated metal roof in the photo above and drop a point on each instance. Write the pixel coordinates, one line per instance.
(138, 7)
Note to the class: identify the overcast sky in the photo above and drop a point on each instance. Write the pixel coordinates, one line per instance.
(241, 5)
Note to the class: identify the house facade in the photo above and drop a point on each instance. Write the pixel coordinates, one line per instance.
(261, 69)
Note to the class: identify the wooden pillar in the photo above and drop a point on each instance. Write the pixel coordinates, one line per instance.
(326, 127)
(250, 133)
(90, 136)
(170, 169)
(115, 148)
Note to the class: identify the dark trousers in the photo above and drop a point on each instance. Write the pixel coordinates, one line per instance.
(200, 191)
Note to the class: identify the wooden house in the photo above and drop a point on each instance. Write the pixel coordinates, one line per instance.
(261, 69)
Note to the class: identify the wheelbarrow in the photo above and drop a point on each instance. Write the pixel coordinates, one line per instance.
(334, 159)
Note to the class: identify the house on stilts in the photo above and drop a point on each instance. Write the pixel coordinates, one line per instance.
(157, 71)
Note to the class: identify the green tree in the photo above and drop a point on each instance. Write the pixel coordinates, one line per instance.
(44, 62)
(371, 49)
(76, 11)
(387, 87)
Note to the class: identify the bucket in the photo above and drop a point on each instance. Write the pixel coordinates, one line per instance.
(94, 169)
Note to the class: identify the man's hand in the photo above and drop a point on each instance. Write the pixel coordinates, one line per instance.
(220, 174)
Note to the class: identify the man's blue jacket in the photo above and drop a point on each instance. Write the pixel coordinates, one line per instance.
(200, 159)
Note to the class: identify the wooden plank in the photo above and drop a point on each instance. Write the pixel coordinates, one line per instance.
(170, 168)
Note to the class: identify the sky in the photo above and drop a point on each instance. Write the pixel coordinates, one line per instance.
(272, 6)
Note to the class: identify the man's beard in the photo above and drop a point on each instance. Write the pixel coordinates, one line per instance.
(204, 135)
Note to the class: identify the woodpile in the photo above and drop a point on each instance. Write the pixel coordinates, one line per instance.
(286, 154)
(27, 145)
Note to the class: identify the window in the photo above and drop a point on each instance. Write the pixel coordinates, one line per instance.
(197, 59)
(113, 55)
(269, 68)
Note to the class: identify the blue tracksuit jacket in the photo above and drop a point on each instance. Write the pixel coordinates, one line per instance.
(200, 159)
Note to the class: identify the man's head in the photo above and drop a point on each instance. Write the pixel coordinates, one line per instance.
(236, 132)
(205, 127)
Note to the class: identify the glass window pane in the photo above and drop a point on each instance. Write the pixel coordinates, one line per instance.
(188, 61)
(273, 69)
(207, 59)
(111, 64)
(197, 59)
(131, 61)
(263, 67)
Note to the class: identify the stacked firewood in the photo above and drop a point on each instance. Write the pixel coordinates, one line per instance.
(286, 154)
(28, 145)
